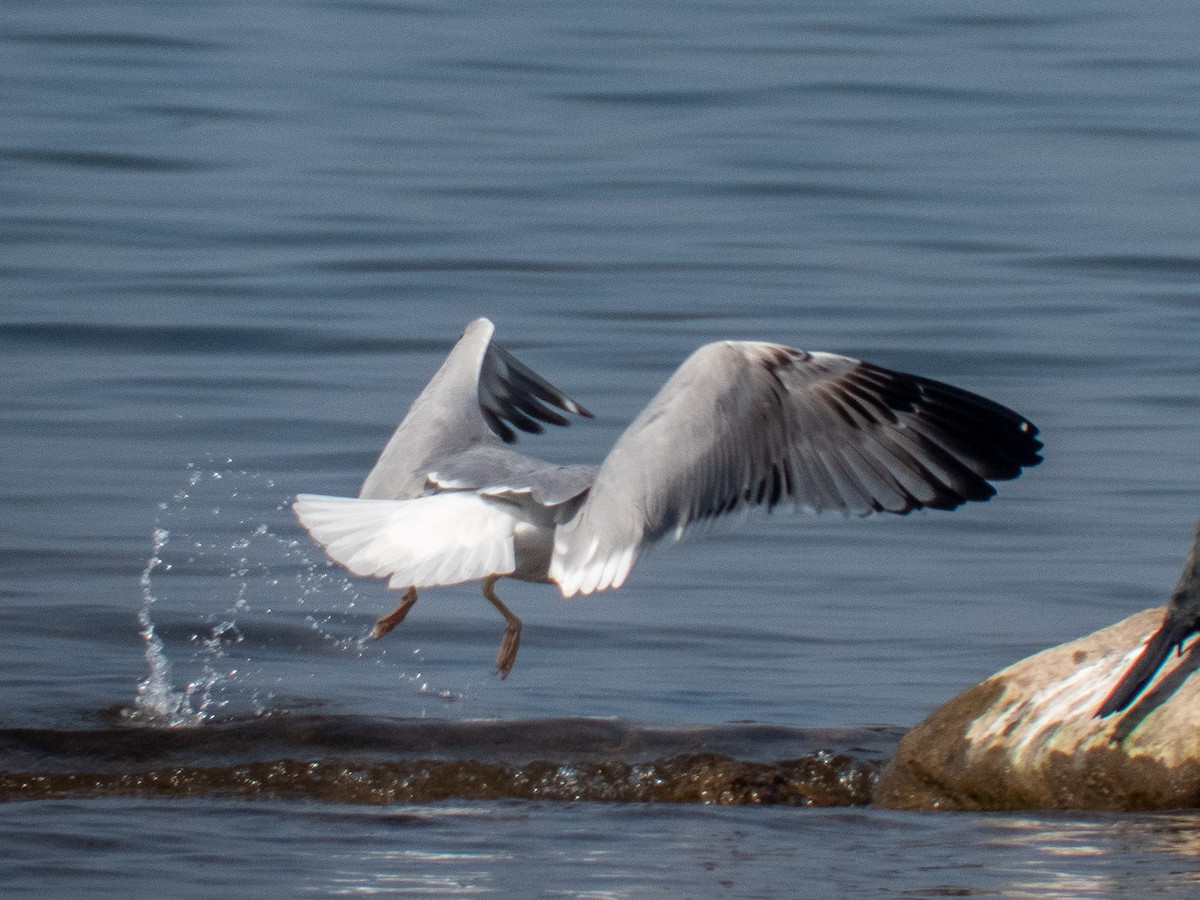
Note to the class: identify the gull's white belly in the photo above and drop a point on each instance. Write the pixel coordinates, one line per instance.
(533, 543)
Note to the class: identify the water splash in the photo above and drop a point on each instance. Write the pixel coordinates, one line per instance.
(218, 563)
(157, 700)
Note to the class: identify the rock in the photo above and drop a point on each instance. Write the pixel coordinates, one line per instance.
(1029, 738)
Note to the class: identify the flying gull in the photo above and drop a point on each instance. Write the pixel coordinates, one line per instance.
(741, 424)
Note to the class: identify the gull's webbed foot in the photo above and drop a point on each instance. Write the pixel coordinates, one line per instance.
(511, 642)
(396, 616)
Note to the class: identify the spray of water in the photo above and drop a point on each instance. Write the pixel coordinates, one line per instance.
(157, 700)
(215, 527)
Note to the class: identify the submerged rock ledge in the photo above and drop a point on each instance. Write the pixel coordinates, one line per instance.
(816, 780)
(1029, 738)
(356, 759)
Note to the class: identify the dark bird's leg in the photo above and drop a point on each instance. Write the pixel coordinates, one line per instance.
(396, 616)
(511, 641)
(1181, 622)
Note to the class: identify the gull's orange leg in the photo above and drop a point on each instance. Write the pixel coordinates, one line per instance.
(396, 616)
(511, 641)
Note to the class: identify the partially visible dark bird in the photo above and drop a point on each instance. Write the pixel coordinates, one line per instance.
(1181, 622)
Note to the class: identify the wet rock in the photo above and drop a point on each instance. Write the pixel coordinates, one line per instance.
(1029, 737)
(820, 779)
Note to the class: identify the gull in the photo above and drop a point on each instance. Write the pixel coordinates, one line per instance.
(740, 425)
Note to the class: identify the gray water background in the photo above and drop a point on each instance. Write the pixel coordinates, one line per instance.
(236, 239)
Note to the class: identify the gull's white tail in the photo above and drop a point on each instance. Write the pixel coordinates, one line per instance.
(436, 540)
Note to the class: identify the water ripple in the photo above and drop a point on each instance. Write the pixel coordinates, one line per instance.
(202, 339)
(98, 159)
(110, 40)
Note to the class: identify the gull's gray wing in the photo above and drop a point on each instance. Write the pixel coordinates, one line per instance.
(480, 393)
(745, 424)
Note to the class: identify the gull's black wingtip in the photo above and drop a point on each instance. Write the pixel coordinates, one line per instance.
(1034, 445)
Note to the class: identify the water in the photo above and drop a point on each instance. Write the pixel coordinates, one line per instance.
(236, 238)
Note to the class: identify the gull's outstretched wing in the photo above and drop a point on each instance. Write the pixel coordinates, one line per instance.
(745, 424)
(480, 393)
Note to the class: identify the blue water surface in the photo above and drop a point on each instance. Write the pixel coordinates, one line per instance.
(237, 237)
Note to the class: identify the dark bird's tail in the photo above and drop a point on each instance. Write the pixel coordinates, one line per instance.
(1181, 622)
(1172, 634)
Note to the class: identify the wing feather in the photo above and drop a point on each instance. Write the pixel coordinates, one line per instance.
(744, 424)
(511, 393)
